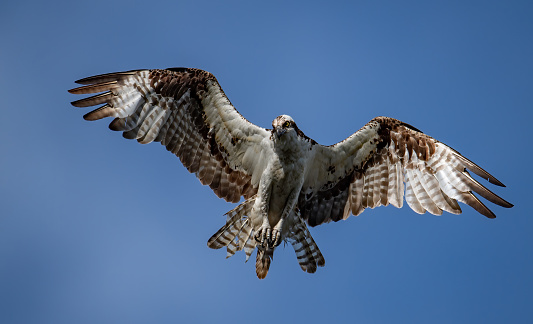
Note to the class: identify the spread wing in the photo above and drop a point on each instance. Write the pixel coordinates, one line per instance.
(381, 161)
(187, 111)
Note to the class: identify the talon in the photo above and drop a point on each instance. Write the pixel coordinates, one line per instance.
(268, 235)
(276, 233)
(277, 240)
(257, 236)
(264, 237)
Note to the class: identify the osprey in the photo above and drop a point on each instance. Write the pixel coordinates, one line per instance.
(287, 179)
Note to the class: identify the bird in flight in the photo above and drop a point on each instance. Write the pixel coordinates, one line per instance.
(287, 180)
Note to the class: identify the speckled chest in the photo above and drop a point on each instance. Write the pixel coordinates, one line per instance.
(288, 165)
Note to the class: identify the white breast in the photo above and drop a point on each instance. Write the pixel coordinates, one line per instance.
(288, 167)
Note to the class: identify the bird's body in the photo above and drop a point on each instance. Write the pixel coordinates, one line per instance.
(286, 178)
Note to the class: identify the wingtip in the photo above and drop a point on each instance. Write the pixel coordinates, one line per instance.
(99, 113)
(88, 117)
(505, 204)
(78, 103)
(496, 182)
(486, 212)
(113, 76)
(477, 169)
(86, 80)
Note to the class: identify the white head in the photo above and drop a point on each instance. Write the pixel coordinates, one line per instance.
(282, 125)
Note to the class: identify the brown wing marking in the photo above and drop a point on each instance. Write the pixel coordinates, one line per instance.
(167, 106)
(432, 175)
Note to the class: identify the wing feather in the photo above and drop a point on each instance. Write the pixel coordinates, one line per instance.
(384, 182)
(385, 160)
(187, 111)
(411, 195)
(94, 100)
(368, 191)
(356, 196)
(396, 187)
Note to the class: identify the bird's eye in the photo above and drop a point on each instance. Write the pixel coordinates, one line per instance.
(287, 124)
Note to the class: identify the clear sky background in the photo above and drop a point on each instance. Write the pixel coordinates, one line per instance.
(98, 229)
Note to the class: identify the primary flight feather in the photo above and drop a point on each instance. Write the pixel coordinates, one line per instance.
(286, 178)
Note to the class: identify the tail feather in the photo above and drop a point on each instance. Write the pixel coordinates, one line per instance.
(236, 234)
(263, 260)
(234, 245)
(246, 241)
(225, 234)
(249, 246)
(307, 252)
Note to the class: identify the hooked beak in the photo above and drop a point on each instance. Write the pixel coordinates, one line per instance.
(280, 131)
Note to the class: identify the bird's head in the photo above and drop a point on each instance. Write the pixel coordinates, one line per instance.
(282, 125)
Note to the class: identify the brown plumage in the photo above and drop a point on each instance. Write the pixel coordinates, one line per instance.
(164, 113)
(286, 178)
(399, 153)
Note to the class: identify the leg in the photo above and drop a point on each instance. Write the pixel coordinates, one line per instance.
(264, 234)
(260, 214)
(278, 229)
(276, 233)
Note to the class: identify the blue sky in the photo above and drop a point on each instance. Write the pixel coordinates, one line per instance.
(98, 229)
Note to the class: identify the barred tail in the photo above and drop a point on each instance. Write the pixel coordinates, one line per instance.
(262, 262)
(307, 252)
(237, 234)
